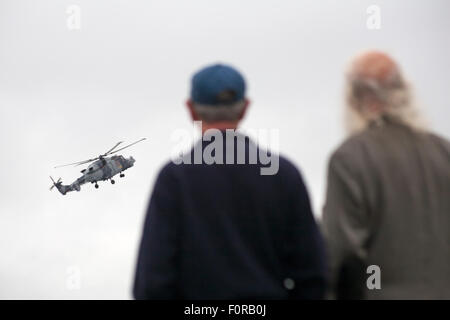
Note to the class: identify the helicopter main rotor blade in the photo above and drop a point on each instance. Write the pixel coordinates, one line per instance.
(128, 145)
(76, 163)
(90, 160)
(110, 151)
(107, 152)
(86, 161)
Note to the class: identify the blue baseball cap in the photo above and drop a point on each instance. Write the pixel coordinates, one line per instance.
(217, 85)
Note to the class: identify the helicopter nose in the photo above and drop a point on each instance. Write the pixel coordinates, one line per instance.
(132, 161)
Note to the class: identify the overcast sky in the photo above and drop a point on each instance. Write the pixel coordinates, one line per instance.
(68, 95)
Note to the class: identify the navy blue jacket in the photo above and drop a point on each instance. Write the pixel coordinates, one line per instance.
(224, 231)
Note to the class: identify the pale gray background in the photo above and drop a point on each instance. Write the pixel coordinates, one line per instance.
(70, 95)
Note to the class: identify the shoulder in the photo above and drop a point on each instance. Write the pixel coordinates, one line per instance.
(287, 166)
(351, 157)
(441, 141)
(348, 150)
(167, 174)
(288, 172)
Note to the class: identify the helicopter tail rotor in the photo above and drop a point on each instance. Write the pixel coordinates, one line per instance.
(55, 184)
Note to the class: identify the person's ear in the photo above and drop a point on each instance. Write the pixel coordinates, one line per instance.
(244, 109)
(190, 106)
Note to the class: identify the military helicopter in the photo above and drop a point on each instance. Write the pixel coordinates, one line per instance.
(103, 168)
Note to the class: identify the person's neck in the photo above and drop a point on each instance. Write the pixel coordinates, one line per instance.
(222, 126)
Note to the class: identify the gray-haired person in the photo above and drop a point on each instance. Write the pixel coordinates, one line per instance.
(388, 194)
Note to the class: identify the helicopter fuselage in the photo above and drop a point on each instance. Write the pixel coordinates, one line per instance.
(106, 168)
(102, 169)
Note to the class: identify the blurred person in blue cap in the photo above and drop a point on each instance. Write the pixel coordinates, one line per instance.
(224, 230)
(387, 213)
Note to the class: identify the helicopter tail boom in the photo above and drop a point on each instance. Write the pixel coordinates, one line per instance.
(63, 189)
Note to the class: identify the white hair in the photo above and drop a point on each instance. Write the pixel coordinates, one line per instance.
(225, 112)
(396, 97)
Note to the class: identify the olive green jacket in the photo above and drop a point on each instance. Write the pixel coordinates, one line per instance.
(388, 204)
